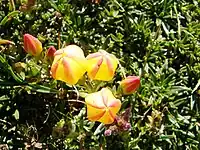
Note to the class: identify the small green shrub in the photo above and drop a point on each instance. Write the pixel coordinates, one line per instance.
(156, 40)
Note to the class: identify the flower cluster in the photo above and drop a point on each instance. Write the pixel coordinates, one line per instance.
(69, 65)
(120, 124)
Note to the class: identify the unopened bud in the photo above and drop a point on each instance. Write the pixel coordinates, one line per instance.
(51, 51)
(32, 45)
(130, 84)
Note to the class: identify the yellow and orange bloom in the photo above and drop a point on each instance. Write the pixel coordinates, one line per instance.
(101, 65)
(32, 45)
(69, 64)
(50, 52)
(102, 106)
(130, 84)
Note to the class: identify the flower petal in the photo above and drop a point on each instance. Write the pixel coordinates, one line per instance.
(107, 118)
(95, 68)
(94, 114)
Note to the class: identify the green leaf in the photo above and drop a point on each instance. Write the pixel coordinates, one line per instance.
(4, 98)
(173, 120)
(115, 38)
(9, 69)
(164, 137)
(8, 17)
(99, 129)
(197, 86)
(41, 88)
(181, 88)
(53, 5)
(16, 114)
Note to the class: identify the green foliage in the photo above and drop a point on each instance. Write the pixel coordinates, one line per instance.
(157, 40)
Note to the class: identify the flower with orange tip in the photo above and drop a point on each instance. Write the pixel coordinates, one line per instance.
(102, 106)
(130, 84)
(32, 45)
(101, 65)
(50, 52)
(69, 64)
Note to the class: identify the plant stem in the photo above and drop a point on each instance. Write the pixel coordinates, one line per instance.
(74, 100)
(122, 70)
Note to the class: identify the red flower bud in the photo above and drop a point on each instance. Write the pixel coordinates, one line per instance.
(51, 51)
(130, 84)
(32, 45)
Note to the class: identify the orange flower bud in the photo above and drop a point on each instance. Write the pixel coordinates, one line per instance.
(69, 64)
(50, 52)
(102, 106)
(101, 65)
(130, 84)
(32, 45)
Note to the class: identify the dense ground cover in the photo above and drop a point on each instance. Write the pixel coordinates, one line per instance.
(156, 40)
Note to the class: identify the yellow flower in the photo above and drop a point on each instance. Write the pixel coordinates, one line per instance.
(102, 106)
(101, 65)
(69, 64)
(32, 45)
(130, 84)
